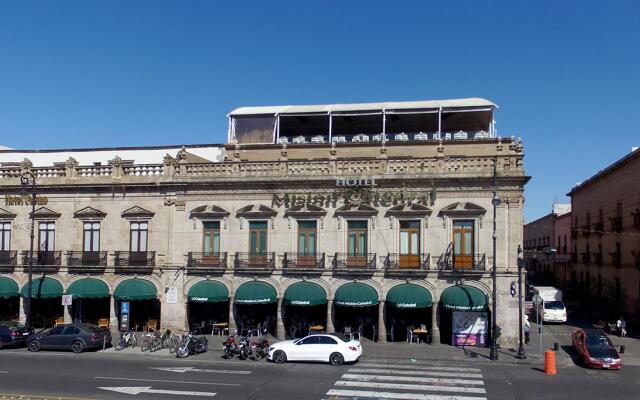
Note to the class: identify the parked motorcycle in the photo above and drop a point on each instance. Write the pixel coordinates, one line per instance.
(244, 348)
(230, 347)
(259, 349)
(191, 345)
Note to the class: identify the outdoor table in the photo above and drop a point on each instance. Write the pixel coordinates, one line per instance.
(316, 328)
(219, 328)
(421, 332)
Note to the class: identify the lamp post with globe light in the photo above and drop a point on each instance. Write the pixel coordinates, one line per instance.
(28, 179)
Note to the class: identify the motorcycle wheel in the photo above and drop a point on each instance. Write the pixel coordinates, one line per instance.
(258, 354)
(121, 345)
(146, 345)
(228, 354)
(182, 352)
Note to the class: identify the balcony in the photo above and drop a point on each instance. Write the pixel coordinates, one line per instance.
(616, 223)
(43, 261)
(206, 263)
(406, 264)
(475, 262)
(598, 227)
(134, 261)
(8, 260)
(293, 263)
(586, 230)
(254, 262)
(82, 261)
(345, 263)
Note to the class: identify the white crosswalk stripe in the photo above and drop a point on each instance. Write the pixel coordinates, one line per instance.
(404, 381)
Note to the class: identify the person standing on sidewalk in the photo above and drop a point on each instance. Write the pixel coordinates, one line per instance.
(527, 330)
(622, 327)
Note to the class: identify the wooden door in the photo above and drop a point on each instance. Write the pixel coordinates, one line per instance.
(409, 244)
(463, 244)
(357, 244)
(211, 243)
(258, 243)
(307, 243)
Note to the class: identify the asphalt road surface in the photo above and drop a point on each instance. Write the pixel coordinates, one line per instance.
(54, 375)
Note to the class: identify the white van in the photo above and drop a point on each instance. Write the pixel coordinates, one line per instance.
(552, 308)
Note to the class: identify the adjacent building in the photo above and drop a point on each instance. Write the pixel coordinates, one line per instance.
(372, 217)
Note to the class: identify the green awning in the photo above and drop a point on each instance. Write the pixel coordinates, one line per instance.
(88, 288)
(256, 293)
(409, 296)
(305, 294)
(463, 298)
(8, 288)
(135, 289)
(356, 295)
(208, 292)
(43, 288)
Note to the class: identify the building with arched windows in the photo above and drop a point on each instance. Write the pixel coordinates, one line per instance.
(373, 219)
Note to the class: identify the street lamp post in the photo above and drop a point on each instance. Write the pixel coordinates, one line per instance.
(493, 355)
(520, 354)
(26, 179)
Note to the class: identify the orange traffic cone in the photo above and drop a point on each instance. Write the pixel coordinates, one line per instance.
(550, 362)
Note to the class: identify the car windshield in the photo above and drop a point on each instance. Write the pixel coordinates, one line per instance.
(554, 305)
(598, 342)
(90, 328)
(12, 325)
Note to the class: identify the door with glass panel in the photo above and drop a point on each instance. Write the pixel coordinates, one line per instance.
(5, 242)
(258, 243)
(306, 243)
(90, 243)
(463, 244)
(357, 244)
(46, 241)
(211, 243)
(409, 244)
(138, 243)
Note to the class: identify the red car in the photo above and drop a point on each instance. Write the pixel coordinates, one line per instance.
(595, 349)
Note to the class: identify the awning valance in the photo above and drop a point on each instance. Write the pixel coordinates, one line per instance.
(356, 295)
(409, 296)
(256, 293)
(208, 292)
(135, 289)
(88, 288)
(305, 294)
(43, 288)
(8, 288)
(463, 298)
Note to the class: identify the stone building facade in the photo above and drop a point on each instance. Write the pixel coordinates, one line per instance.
(354, 219)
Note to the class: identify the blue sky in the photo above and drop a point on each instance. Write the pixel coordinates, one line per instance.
(90, 74)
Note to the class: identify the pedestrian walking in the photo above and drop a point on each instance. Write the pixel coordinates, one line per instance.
(527, 330)
(621, 324)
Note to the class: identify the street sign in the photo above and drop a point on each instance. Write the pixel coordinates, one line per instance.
(133, 390)
(124, 316)
(67, 299)
(537, 300)
(172, 295)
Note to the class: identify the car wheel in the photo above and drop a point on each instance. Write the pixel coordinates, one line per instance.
(77, 346)
(279, 357)
(336, 359)
(34, 345)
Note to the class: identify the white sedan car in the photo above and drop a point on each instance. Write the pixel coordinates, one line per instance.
(331, 348)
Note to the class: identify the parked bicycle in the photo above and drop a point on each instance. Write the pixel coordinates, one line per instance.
(151, 341)
(127, 339)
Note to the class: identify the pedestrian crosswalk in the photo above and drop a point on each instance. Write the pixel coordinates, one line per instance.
(407, 381)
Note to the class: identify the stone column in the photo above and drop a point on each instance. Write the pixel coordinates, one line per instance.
(435, 329)
(279, 324)
(113, 317)
(330, 327)
(232, 317)
(22, 315)
(67, 315)
(382, 326)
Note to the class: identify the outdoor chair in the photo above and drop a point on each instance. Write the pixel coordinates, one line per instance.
(151, 324)
(292, 331)
(103, 323)
(411, 337)
(348, 333)
(358, 332)
(59, 321)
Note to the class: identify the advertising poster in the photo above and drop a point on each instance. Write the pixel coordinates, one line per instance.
(470, 328)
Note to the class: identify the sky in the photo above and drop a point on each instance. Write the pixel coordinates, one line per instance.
(565, 74)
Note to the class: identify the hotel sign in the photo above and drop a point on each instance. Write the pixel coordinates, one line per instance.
(375, 198)
(25, 200)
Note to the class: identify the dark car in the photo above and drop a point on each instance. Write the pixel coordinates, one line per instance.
(595, 349)
(12, 334)
(76, 337)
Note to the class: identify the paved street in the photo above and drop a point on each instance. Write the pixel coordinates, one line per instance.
(391, 371)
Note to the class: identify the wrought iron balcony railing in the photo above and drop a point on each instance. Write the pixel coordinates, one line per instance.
(354, 263)
(8, 259)
(585, 230)
(43, 260)
(134, 259)
(87, 258)
(409, 264)
(206, 262)
(452, 262)
(598, 227)
(303, 262)
(254, 262)
(616, 223)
